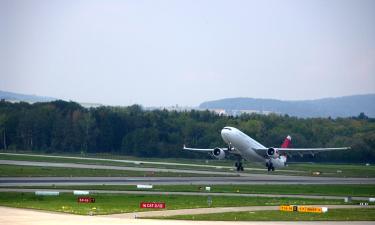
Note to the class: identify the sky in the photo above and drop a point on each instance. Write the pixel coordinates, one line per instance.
(162, 53)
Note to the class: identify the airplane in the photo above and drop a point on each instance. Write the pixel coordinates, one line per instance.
(249, 149)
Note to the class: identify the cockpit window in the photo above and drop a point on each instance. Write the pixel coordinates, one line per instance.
(227, 128)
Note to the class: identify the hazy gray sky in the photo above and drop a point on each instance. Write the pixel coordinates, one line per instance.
(185, 52)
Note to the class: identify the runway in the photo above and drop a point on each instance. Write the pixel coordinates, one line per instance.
(148, 163)
(137, 162)
(249, 179)
(107, 167)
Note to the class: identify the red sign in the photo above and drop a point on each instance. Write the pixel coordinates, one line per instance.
(85, 200)
(153, 205)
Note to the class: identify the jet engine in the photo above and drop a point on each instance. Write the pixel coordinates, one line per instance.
(219, 153)
(271, 152)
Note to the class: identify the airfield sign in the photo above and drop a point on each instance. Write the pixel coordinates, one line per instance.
(85, 200)
(309, 209)
(153, 205)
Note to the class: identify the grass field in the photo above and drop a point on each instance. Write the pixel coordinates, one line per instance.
(37, 171)
(334, 190)
(363, 214)
(120, 203)
(134, 158)
(98, 158)
(336, 170)
(196, 165)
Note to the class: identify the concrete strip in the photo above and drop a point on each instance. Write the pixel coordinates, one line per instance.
(139, 162)
(248, 179)
(106, 167)
(14, 216)
(218, 210)
(187, 193)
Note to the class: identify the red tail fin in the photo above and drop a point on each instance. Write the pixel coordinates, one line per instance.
(287, 142)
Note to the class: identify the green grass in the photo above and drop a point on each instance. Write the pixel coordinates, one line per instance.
(210, 165)
(211, 162)
(334, 190)
(363, 214)
(305, 169)
(37, 171)
(347, 170)
(94, 161)
(121, 203)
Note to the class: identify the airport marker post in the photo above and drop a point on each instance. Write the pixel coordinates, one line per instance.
(209, 201)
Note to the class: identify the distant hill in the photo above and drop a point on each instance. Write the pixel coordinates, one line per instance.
(15, 97)
(335, 107)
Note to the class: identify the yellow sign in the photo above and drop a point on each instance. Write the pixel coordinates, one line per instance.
(310, 209)
(288, 208)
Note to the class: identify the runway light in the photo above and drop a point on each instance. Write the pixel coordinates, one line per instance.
(81, 192)
(47, 193)
(144, 186)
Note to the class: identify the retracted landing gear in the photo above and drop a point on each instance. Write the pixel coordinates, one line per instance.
(238, 165)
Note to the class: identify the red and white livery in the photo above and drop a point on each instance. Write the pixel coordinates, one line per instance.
(249, 149)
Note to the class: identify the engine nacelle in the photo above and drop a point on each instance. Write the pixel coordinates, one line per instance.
(272, 153)
(219, 153)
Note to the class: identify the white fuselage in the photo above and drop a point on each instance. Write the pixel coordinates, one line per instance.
(245, 146)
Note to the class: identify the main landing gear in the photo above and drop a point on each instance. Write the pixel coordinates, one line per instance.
(270, 166)
(238, 165)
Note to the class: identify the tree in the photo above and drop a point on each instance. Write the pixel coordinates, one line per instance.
(362, 116)
(3, 131)
(67, 127)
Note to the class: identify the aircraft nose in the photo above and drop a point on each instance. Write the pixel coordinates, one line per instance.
(225, 132)
(222, 132)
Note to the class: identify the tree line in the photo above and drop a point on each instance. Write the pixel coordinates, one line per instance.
(67, 127)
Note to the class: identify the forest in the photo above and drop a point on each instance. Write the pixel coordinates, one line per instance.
(67, 127)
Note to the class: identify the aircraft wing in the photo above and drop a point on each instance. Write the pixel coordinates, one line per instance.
(301, 151)
(225, 149)
(311, 149)
(204, 149)
(199, 149)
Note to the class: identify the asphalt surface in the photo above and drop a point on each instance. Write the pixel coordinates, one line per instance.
(24, 216)
(222, 178)
(185, 193)
(139, 162)
(119, 160)
(107, 167)
(249, 179)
